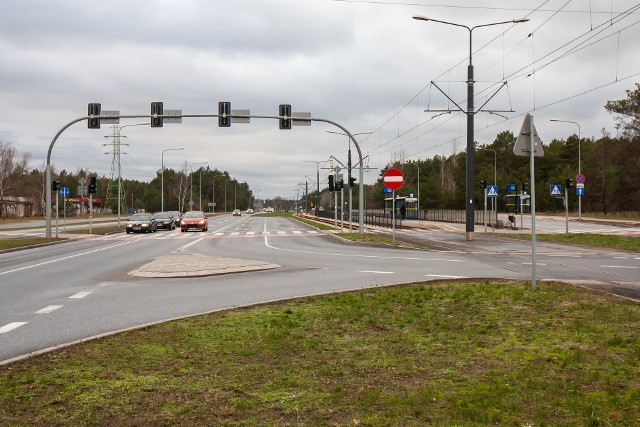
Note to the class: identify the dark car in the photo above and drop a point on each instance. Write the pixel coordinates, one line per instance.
(194, 220)
(166, 220)
(142, 222)
(178, 216)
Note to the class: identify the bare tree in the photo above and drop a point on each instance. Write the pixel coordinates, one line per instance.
(12, 166)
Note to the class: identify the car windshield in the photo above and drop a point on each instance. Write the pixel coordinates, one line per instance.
(141, 217)
(193, 215)
(163, 215)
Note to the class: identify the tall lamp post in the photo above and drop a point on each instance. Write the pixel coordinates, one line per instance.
(191, 184)
(579, 162)
(470, 217)
(162, 177)
(317, 182)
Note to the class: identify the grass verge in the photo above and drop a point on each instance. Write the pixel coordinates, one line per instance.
(468, 354)
(376, 239)
(23, 242)
(598, 240)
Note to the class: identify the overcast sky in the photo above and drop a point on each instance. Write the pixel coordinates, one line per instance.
(364, 64)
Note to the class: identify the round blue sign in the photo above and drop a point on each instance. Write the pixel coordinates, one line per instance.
(64, 191)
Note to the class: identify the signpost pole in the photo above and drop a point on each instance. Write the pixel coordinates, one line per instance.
(90, 213)
(393, 215)
(64, 214)
(57, 211)
(485, 210)
(533, 203)
(566, 210)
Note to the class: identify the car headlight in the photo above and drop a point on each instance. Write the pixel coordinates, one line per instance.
(145, 225)
(201, 222)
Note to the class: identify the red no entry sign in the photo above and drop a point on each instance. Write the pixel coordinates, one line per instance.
(393, 179)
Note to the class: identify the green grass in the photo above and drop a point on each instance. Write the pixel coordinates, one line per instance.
(26, 241)
(375, 239)
(464, 354)
(598, 240)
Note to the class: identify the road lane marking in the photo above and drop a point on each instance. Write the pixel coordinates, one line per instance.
(66, 258)
(11, 326)
(619, 266)
(48, 309)
(80, 295)
(376, 272)
(182, 248)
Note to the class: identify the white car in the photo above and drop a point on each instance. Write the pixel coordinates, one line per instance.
(236, 212)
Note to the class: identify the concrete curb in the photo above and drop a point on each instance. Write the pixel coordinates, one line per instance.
(196, 265)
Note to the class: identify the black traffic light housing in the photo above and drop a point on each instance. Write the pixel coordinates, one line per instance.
(93, 184)
(569, 183)
(284, 110)
(157, 109)
(339, 185)
(352, 181)
(55, 185)
(94, 110)
(332, 186)
(525, 187)
(483, 183)
(224, 111)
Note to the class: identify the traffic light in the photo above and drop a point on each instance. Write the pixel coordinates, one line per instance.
(332, 187)
(157, 109)
(94, 110)
(525, 187)
(93, 184)
(339, 185)
(483, 184)
(55, 185)
(224, 110)
(569, 183)
(285, 111)
(352, 181)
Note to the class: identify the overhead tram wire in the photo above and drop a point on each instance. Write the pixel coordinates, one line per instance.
(605, 25)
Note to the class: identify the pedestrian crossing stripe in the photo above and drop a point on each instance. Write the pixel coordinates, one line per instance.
(228, 234)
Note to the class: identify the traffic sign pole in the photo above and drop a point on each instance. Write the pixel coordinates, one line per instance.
(393, 216)
(566, 210)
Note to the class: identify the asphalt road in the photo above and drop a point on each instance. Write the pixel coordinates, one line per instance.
(53, 295)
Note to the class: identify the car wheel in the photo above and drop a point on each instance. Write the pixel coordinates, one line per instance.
(128, 232)
(182, 230)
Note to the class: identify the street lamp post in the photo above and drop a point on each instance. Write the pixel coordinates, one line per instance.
(579, 162)
(162, 177)
(470, 217)
(191, 183)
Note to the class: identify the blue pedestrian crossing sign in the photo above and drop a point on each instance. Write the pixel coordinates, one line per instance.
(555, 190)
(492, 191)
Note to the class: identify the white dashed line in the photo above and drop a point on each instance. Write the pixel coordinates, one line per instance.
(376, 272)
(80, 295)
(11, 326)
(617, 266)
(49, 309)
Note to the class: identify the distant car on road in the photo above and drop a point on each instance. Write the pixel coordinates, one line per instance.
(236, 212)
(141, 222)
(166, 220)
(194, 220)
(249, 211)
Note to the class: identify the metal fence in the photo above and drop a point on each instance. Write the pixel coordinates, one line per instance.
(380, 218)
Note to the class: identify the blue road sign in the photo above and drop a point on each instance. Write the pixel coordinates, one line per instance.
(512, 187)
(492, 191)
(64, 191)
(579, 191)
(386, 190)
(555, 190)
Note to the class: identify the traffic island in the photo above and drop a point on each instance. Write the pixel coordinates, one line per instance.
(196, 265)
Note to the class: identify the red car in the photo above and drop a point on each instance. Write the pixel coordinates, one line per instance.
(194, 220)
